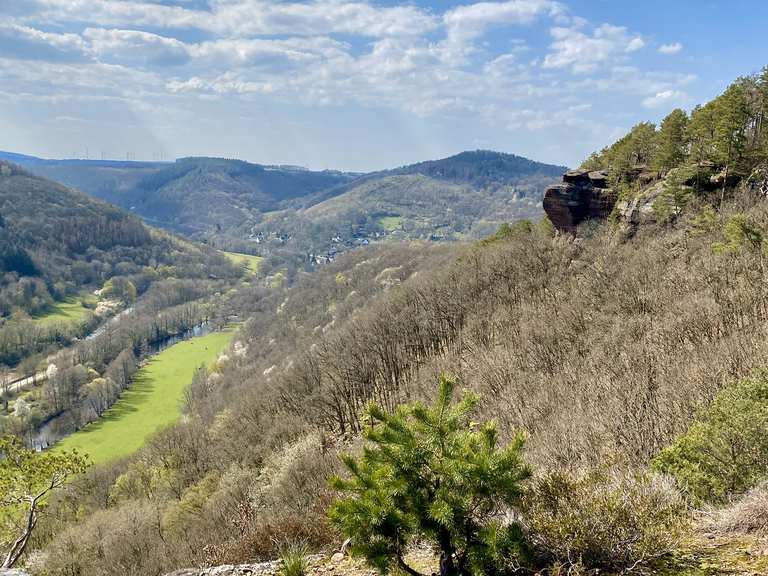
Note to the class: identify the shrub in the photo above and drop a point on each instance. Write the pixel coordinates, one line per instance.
(747, 515)
(429, 473)
(726, 451)
(124, 540)
(293, 560)
(606, 519)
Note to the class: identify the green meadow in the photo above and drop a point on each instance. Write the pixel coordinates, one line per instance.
(152, 401)
(69, 310)
(251, 262)
(391, 223)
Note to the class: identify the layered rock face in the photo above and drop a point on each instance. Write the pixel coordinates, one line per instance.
(582, 195)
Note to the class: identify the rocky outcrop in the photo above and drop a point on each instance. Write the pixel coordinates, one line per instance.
(583, 195)
(640, 209)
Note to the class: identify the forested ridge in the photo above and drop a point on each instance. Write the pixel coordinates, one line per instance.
(308, 217)
(59, 240)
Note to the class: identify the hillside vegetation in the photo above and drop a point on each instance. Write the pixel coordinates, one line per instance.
(87, 291)
(61, 240)
(601, 350)
(614, 413)
(309, 216)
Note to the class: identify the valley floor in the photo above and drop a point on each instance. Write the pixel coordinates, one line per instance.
(152, 401)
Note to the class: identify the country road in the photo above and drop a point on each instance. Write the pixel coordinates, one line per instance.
(21, 383)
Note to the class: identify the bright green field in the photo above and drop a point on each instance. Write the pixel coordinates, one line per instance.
(152, 401)
(390, 223)
(252, 262)
(70, 310)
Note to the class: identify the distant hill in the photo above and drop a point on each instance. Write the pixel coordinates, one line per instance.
(190, 195)
(482, 168)
(54, 241)
(269, 209)
(465, 196)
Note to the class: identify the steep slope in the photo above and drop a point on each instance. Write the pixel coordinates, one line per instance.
(635, 364)
(56, 243)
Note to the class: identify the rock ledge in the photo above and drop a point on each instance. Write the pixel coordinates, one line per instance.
(583, 195)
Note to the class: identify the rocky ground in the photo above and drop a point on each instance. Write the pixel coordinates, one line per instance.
(703, 555)
(319, 565)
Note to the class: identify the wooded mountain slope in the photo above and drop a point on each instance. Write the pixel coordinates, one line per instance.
(269, 209)
(58, 240)
(600, 349)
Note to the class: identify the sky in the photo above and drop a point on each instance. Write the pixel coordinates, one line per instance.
(358, 84)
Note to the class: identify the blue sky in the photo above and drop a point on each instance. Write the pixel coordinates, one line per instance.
(356, 84)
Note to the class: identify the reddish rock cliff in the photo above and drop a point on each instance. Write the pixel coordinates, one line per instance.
(582, 195)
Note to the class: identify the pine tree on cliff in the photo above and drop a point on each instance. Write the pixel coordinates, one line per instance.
(428, 473)
(671, 141)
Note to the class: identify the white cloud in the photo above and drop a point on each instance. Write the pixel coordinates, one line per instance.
(471, 20)
(105, 12)
(635, 44)
(673, 48)
(228, 83)
(267, 52)
(240, 17)
(136, 47)
(26, 43)
(466, 23)
(583, 53)
(667, 98)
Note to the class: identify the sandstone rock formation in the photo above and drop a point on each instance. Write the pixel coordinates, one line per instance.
(640, 209)
(582, 196)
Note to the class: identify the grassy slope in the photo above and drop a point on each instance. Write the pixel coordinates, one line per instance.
(390, 223)
(152, 401)
(252, 262)
(70, 310)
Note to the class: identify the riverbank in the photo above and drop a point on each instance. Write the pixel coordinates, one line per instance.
(152, 401)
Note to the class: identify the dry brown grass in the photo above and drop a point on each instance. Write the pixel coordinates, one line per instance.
(747, 515)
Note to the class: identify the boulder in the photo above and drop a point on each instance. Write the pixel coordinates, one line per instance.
(581, 196)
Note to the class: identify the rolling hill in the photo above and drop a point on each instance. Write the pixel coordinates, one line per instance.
(289, 210)
(465, 196)
(56, 241)
(191, 195)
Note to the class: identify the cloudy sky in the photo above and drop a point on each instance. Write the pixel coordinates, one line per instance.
(358, 84)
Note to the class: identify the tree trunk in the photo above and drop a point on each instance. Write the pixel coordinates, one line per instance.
(447, 565)
(18, 547)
